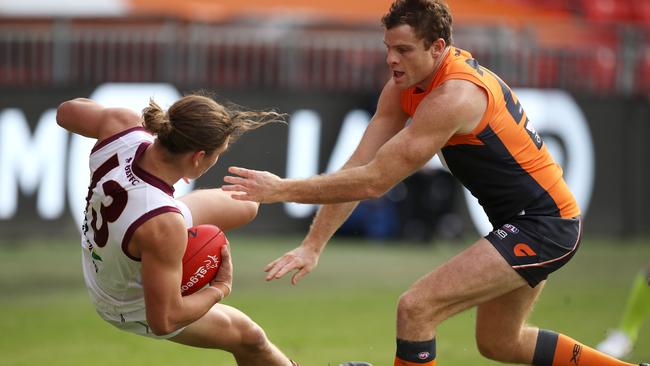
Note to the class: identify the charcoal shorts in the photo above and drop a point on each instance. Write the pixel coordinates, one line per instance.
(536, 246)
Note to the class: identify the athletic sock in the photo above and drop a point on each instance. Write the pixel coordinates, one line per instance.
(415, 353)
(555, 349)
(637, 308)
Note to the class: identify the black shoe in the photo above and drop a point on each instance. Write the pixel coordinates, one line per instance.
(644, 364)
(357, 363)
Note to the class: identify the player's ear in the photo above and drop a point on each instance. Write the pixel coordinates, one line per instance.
(438, 47)
(197, 156)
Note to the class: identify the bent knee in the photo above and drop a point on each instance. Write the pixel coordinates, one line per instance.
(253, 338)
(249, 211)
(411, 306)
(501, 350)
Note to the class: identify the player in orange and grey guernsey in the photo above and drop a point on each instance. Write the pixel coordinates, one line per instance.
(135, 230)
(471, 118)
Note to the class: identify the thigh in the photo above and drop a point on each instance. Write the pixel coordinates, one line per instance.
(222, 327)
(474, 276)
(216, 207)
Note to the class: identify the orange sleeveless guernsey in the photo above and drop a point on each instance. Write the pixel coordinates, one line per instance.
(503, 162)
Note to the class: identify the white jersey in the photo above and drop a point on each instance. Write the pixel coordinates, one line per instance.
(121, 197)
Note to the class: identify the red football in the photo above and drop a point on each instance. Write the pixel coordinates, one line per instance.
(202, 258)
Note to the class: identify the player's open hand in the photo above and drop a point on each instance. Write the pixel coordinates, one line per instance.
(253, 185)
(302, 259)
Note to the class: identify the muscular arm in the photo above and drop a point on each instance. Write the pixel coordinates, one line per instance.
(386, 155)
(88, 118)
(447, 110)
(456, 106)
(387, 121)
(161, 243)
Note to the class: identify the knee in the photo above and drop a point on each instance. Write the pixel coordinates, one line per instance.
(497, 349)
(249, 211)
(253, 339)
(412, 307)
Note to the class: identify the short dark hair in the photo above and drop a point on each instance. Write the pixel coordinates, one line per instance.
(430, 19)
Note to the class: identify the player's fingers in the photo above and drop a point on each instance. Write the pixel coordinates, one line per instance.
(291, 264)
(232, 188)
(288, 267)
(272, 264)
(242, 172)
(225, 272)
(273, 272)
(235, 180)
(225, 254)
(274, 269)
(298, 276)
(242, 196)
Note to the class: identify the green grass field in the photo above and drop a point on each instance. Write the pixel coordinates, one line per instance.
(344, 310)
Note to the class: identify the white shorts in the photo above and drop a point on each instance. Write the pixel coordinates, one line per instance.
(136, 321)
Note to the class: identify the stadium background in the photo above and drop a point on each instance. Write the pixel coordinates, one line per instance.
(583, 65)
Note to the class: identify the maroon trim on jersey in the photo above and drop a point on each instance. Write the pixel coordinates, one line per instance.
(146, 176)
(141, 220)
(110, 139)
(99, 173)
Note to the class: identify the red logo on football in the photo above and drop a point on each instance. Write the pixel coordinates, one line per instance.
(202, 258)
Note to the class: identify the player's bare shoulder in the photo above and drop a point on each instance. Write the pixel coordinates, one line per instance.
(391, 92)
(463, 101)
(117, 120)
(164, 233)
(389, 104)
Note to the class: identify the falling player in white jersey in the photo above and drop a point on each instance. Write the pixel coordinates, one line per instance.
(134, 232)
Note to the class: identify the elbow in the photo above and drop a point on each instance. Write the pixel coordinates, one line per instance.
(66, 110)
(161, 326)
(61, 111)
(379, 182)
(374, 191)
(160, 331)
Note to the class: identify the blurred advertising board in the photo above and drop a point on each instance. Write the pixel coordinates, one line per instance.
(600, 143)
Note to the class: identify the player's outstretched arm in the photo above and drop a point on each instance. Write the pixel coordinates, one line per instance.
(387, 121)
(456, 106)
(402, 155)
